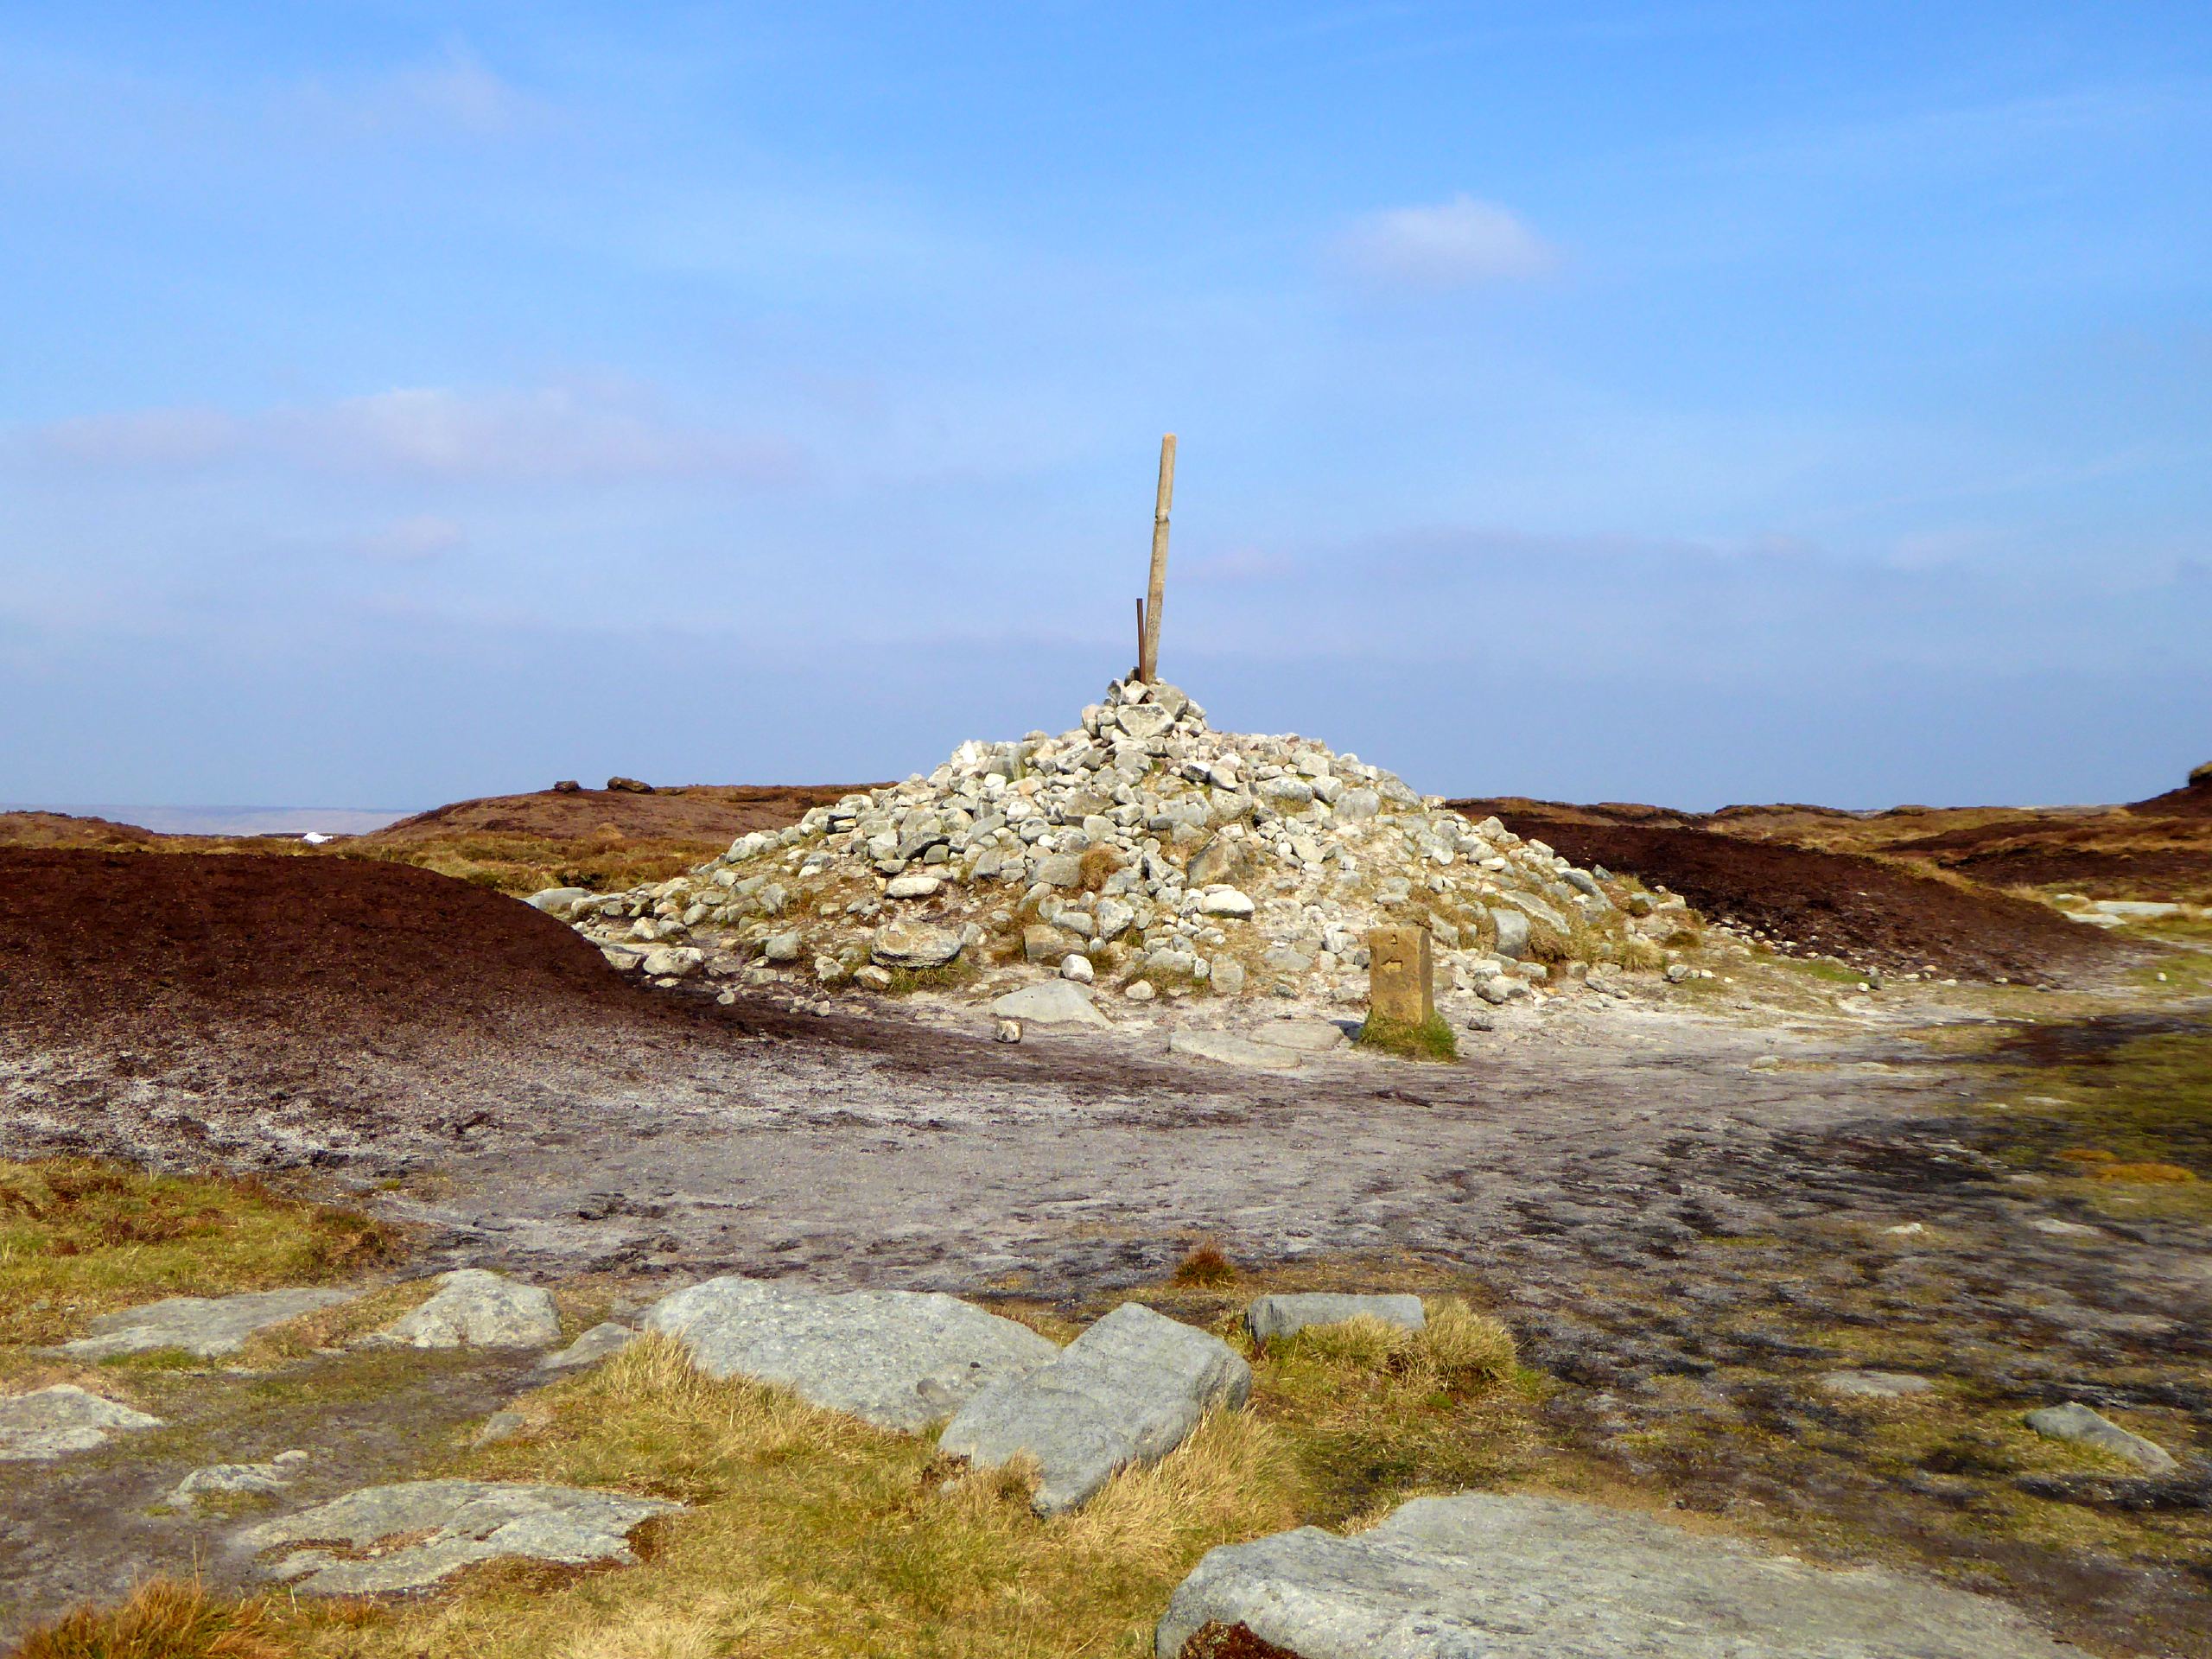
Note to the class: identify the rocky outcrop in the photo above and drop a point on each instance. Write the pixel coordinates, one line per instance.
(207, 1326)
(1532, 1577)
(449, 1524)
(51, 1422)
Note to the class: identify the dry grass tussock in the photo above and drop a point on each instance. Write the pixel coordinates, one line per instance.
(163, 1618)
(814, 1534)
(78, 1238)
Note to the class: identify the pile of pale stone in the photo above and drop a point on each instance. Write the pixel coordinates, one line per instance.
(1142, 845)
(1505, 1576)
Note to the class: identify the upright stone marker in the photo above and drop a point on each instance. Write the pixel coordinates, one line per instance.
(1401, 976)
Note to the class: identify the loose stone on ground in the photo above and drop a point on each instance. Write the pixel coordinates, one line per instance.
(899, 1359)
(1285, 1313)
(445, 1525)
(1055, 1002)
(232, 1478)
(475, 1308)
(595, 1344)
(1530, 1577)
(2078, 1424)
(1128, 1391)
(1227, 1048)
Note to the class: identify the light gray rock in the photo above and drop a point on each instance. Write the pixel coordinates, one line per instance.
(1227, 975)
(1306, 1036)
(559, 901)
(621, 957)
(912, 886)
(673, 962)
(1876, 1385)
(466, 1520)
(908, 944)
(206, 1326)
(50, 1422)
(476, 1308)
(2078, 1424)
(1358, 803)
(1512, 932)
(782, 947)
(1219, 861)
(1144, 720)
(1224, 901)
(1530, 905)
(899, 1359)
(225, 1477)
(595, 1344)
(1128, 1391)
(500, 1425)
(1060, 870)
(1077, 969)
(1281, 1314)
(1055, 1002)
(1485, 1577)
(1226, 1048)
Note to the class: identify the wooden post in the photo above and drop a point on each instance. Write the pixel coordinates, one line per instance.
(1141, 636)
(1148, 661)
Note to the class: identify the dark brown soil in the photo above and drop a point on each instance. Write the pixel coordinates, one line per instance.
(709, 811)
(314, 947)
(1870, 914)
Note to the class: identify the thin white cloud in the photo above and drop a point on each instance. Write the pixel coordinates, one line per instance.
(454, 91)
(551, 433)
(146, 437)
(1449, 244)
(411, 541)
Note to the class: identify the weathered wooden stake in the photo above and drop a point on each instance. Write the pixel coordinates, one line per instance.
(1140, 634)
(1149, 658)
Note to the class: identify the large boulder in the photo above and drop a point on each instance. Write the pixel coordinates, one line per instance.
(206, 1326)
(48, 1422)
(899, 1359)
(475, 1308)
(1055, 1002)
(1128, 1391)
(909, 945)
(452, 1524)
(1536, 1578)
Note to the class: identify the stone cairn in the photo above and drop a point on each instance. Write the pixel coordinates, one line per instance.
(1142, 849)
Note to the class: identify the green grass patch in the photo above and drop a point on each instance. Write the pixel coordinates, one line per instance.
(1432, 1040)
(80, 1238)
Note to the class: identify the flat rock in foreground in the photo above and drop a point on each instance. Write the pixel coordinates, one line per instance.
(447, 1525)
(48, 1422)
(207, 1326)
(1128, 1391)
(897, 1359)
(1532, 1577)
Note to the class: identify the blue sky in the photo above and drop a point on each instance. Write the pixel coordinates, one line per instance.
(1688, 402)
